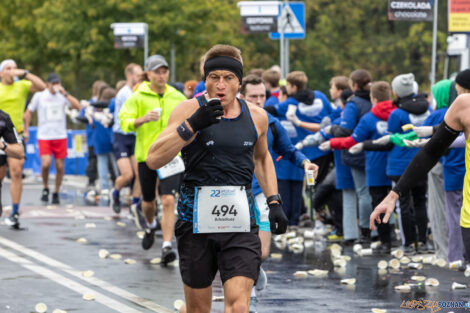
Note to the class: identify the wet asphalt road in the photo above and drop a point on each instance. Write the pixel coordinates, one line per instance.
(43, 263)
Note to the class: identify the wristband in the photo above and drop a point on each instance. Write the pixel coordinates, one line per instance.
(5, 145)
(184, 132)
(274, 198)
(26, 72)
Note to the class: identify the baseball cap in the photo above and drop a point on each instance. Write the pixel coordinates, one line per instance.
(53, 78)
(155, 62)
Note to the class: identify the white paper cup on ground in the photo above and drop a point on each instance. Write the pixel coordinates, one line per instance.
(366, 252)
(394, 263)
(431, 282)
(416, 266)
(382, 264)
(357, 248)
(398, 253)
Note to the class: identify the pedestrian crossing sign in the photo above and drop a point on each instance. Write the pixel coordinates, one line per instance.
(291, 21)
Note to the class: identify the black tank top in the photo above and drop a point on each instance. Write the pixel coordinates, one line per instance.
(222, 154)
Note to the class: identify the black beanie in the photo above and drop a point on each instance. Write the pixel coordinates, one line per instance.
(463, 79)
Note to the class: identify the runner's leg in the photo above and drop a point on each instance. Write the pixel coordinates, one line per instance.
(136, 191)
(46, 161)
(198, 300)
(237, 292)
(59, 167)
(16, 188)
(168, 218)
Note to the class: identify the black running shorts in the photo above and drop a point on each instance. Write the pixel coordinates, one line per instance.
(202, 255)
(148, 183)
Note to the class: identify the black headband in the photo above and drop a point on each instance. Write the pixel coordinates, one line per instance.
(223, 63)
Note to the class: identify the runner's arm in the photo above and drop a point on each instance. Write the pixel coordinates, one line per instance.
(27, 120)
(73, 101)
(264, 166)
(37, 83)
(169, 143)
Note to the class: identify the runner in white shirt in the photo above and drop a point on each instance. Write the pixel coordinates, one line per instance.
(52, 130)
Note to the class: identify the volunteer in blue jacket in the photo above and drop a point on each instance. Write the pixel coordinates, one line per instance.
(412, 109)
(303, 105)
(373, 125)
(253, 90)
(355, 108)
(344, 179)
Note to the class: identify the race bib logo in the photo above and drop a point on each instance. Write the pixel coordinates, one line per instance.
(311, 110)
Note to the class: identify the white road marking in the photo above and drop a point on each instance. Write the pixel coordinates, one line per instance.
(92, 280)
(99, 297)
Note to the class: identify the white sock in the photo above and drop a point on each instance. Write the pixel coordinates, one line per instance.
(166, 244)
(153, 225)
(253, 292)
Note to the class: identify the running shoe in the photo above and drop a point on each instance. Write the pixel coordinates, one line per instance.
(409, 250)
(422, 248)
(168, 255)
(384, 249)
(45, 195)
(55, 198)
(139, 218)
(12, 221)
(262, 280)
(253, 302)
(115, 202)
(335, 237)
(149, 239)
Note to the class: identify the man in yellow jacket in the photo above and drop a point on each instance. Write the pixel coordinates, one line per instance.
(146, 113)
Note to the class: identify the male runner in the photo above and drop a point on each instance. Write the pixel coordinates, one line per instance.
(124, 143)
(14, 88)
(223, 142)
(456, 120)
(147, 112)
(52, 130)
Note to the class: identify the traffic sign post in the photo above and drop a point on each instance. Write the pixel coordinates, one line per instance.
(291, 25)
(131, 35)
(287, 18)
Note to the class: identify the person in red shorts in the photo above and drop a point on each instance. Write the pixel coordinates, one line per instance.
(52, 132)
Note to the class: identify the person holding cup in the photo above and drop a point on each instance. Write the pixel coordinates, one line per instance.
(146, 113)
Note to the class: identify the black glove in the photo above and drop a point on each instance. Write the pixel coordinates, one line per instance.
(277, 218)
(206, 115)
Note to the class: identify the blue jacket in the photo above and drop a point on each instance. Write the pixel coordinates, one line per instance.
(200, 87)
(372, 127)
(408, 112)
(281, 145)
(344, 178)
(354, 109)
(271, 101)
(312, 107)
(453, 161)
(102, 138)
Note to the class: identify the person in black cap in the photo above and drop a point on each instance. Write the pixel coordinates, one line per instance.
(146, 112)
(223, 142)
(52, 130)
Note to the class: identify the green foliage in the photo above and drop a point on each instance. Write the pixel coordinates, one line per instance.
(74, 38)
